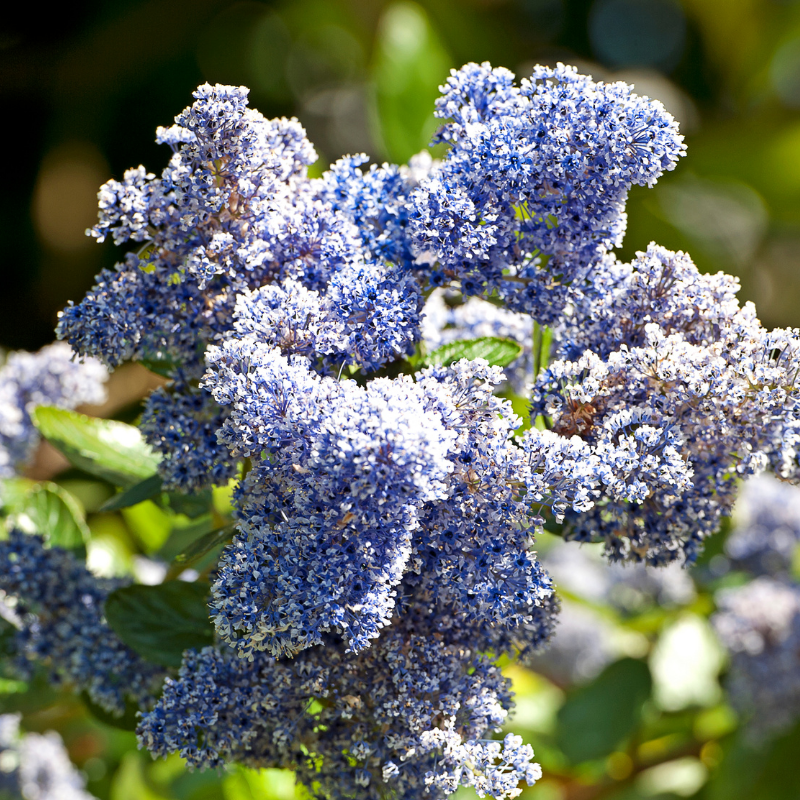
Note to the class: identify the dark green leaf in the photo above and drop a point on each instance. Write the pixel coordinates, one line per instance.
(181, 536)
(164, 367)
(47, 509)
(160, 622)
(205, 544)
(497, 351)
(137, 493)
(191, 505)
(758, 772)
(109, 449)
(8, 638)
(39, 694)
(127, 722)
(596, 718)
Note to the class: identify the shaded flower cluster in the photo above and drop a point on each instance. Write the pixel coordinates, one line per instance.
(58, 607)
(759, 623)
(766, 535)
(35, 766)
(410, 717)
(50, 377)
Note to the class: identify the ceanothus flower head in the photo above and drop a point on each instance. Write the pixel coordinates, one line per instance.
(759, 624)
(339, 474)
(384, 557)
(181, 422)
(377, 202)
(766, 530)
(674, 413)
(472, 559)
(59, 605)
(658, 286)
(410, 716)
(50, 377)
(531, 195)
(36, 766)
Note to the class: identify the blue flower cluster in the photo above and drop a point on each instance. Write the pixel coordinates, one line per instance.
(384, 559)
(50, 377)
(35, 766)
(759, 623)
(532, 192)
(57, 605)
(766, 535)
(408, 718)
(676, 393)
(234, 212)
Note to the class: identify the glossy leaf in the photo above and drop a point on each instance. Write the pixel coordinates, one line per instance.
(48, 509)
(204, 544)
(190, 505)
(596, 718)
(160, 622)
(497, 351)
(126, 722)
(109, 449)
(137, 493)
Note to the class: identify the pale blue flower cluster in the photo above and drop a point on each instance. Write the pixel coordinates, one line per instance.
(766, 535)
(57, 605)
(759, 623)
(677, 391)
(35, 766)
(384, 559)
(50, 377)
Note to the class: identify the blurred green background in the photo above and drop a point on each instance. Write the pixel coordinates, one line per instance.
(84, 86)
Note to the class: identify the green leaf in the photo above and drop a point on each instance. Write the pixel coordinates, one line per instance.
(190, 505)
(181, 536)
(127, 722)
(410, 63)
(497, 351)
(160, 622)
(48, 509)
(758, 772)
(150, 524)
(8, 637)
(205, 544)
(596, 718)
(165, 367)
(109, 449)
(137, 493)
